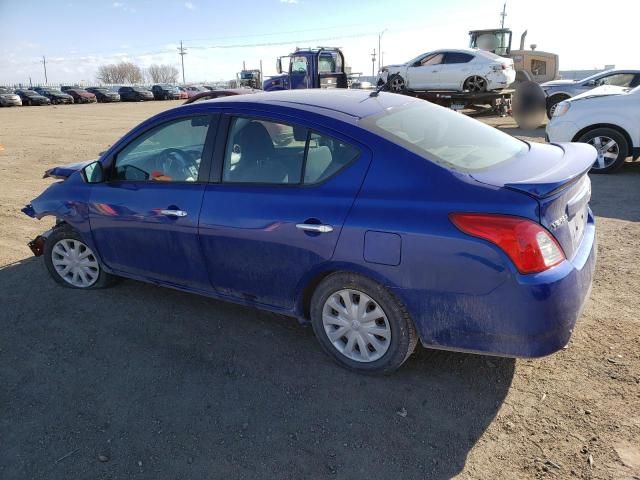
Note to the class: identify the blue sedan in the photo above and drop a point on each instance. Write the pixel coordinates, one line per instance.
(381, 219)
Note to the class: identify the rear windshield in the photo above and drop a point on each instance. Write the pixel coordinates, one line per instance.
(445, 136)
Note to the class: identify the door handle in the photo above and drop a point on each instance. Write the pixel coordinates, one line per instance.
(173, 213)
(312, 227)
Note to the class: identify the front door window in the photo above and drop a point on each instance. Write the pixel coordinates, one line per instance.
(169, 153)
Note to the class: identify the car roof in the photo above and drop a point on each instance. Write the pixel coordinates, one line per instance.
(354, 103)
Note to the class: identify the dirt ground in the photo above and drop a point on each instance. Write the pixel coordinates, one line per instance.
(143, 382)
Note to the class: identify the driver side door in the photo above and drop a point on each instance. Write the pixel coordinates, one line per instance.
(144, 218)
(425, 73)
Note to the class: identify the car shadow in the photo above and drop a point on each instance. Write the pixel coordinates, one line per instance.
(141, 380)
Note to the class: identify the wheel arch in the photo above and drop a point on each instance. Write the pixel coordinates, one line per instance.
(617, 128)
(309, 284)
(563, 95)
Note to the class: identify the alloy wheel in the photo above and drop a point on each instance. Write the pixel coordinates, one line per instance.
(397, 84)
(608, 151)
(475, 84)
(75, 263)
(356, 325)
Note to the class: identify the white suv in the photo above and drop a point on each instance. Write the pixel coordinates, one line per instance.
(464, 70)
(606, 117)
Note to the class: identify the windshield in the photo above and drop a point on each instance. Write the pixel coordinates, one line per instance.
(139, 89)
(444, 136)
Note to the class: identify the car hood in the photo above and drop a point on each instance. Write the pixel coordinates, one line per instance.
(60, 95)
(8, 95)
(557, 83)
(603, 91)
(64, 171)
(86, 95)
(394, 67)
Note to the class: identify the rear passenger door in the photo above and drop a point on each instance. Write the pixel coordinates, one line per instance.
(274, 211)
(455, 70)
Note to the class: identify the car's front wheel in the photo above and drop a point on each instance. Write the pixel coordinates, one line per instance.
(361, 324)
(611, 146)
(397, 84)
(72, 263)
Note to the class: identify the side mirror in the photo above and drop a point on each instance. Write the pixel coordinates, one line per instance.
(93, 173)
(279, 66)
(591, 83)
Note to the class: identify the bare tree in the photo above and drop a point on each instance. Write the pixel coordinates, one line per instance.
(123, 72)
(162, 73)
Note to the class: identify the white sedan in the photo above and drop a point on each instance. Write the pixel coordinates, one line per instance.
(606, 117)
(464, 70)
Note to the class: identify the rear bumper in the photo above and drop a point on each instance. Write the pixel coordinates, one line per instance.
(528, 316)
(500, 79)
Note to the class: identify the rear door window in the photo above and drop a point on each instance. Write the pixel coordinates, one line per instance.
(457, 57)
(259, 151)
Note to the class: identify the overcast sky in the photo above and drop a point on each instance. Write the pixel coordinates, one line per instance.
(78, 36)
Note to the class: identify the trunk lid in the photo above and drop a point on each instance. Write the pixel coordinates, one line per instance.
(556, 176)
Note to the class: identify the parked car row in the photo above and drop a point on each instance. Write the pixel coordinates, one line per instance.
(68, 94)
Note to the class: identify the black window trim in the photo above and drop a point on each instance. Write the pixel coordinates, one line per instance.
(224, 128)
(207, 151)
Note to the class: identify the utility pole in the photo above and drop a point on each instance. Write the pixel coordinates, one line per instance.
(44, 62)
(380, 48)
(373, 63)
(503, 14)
(182, 52)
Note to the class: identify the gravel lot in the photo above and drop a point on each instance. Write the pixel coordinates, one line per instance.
(143, 382)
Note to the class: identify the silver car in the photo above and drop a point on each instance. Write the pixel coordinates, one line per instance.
(8, 98)
(559, 90)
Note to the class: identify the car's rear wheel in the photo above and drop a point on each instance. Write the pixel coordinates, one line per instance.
(362, 325)
(612, 149)
(397, 84)
(475, 84)
(72, 263)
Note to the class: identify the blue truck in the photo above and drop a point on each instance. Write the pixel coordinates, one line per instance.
(321, 67)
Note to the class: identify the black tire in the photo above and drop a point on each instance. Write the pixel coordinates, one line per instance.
(396, 83)
(475, 84)
(621, 143)
(552, 102)
(65, 232)
(403, 333)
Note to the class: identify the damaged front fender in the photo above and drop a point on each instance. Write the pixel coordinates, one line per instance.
(67, 201)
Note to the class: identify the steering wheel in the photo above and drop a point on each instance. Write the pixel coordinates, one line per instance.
(176, 164)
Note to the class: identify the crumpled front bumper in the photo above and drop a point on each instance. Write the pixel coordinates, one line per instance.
(37, 244)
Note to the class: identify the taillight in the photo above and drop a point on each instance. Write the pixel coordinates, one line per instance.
(530, 246)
